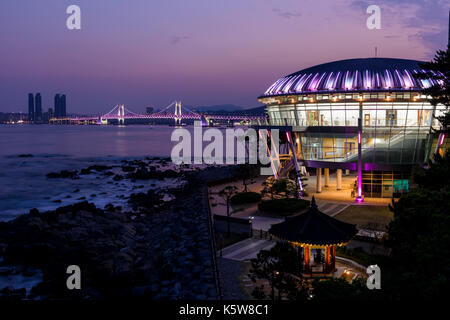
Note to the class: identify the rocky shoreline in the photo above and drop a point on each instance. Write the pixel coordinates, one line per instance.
(161, 248)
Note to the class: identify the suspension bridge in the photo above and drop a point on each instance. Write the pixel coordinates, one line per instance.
(174, 111)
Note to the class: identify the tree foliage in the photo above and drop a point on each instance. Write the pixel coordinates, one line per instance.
(439, 70)
(281, 268)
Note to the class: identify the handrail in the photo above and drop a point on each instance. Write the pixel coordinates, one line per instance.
(213, 243)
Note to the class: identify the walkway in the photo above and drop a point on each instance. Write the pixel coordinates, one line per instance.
(246, 249)
(332, 208)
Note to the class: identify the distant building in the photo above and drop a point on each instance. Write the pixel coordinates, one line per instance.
(38, 107)
(57, 106)
(47, 115)
(30, 107)
(149, 110)
(13, 117)
(60, 106)
(63, 105)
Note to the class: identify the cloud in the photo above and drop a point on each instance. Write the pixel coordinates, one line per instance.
(286, 14)
(177, 39)
(423, 21)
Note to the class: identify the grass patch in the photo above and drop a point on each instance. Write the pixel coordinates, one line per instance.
(283, 207)
(245, 197)
(358, 255)
(373, 217)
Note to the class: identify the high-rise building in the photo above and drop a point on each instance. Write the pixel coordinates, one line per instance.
(30, 107)
(63, 105)
(38, 107)
(60, 106)
(57, 106)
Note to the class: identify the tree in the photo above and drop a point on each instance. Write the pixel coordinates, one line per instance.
(436, 175)
(281, 267)
(247, 173)
(227, 193)
(419, 237)
(268, 184)
(284, 185)
(292, 174)
(439, 70)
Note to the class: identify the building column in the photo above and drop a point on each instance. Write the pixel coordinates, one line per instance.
(347, 172)
(338, 179)
(326, 172)
(319, 180)
(327, 257)
(306, 258)
(333, 255)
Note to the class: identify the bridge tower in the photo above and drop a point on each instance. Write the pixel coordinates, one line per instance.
(121, 114)
(177, 113)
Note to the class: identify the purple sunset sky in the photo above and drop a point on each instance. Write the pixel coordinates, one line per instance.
(202, 52)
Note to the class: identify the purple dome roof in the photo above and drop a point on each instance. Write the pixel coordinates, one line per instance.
(353, 75)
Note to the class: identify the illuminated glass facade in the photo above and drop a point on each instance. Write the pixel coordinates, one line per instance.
(322, 105)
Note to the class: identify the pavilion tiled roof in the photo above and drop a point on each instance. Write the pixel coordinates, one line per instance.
(314, 228)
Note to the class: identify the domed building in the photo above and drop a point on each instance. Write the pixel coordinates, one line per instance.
(372, 107)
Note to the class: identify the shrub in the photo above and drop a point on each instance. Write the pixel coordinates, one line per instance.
(245, 197)
(283, 206)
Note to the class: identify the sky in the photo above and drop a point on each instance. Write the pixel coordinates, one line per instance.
(202, 52)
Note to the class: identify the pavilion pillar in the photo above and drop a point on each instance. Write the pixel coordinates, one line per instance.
(306, 257)
(338, 179)
(319, 180)
(327, 255)
(326, 172)
(333, 260)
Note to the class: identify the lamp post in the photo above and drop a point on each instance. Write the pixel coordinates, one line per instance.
(359, 197)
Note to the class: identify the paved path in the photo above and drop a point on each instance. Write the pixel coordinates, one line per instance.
(246, 249)
(331, 208)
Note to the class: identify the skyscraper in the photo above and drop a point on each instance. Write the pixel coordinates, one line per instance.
(30, 107)
(38, 107)
(57, 106)
(60, 105)
(63, 105)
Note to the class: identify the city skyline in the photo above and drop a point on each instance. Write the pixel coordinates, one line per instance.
(202, 53)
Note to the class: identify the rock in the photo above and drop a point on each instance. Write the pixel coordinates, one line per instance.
(9, 293)
(118, 177)
(128, 169)
(99, 168)
(34, 212)
(6, 270)
(63, 174)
